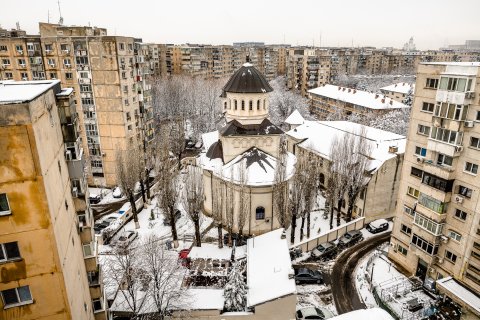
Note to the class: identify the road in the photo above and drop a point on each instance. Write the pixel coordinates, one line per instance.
(342, 278)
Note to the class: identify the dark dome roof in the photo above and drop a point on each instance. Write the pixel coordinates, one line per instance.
(247, 79)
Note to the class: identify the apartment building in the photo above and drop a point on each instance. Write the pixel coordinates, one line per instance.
(329, 99)
(47, 251)
(436, 233)
(398, 91)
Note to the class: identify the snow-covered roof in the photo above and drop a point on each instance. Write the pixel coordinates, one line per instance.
(458, 64)
(204, 299)
(357, 97)
(370, 314)
(259, 167)
(209, 138)
(295, 118)
(453, 287)
(318, 137)
(23, 91)
(268, 268)
(210, 251)
(65, 92)
(401, 87)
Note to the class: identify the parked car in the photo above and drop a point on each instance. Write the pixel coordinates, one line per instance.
(313, 313)
(304, 275)
(325, 251)
(295, 253)
(166, 220)
(94, 198)
(109, 220)
(377, 226)
(183, 257)
(414, 305)
(239, 241)
(126, 238)
(117, 192)
(350, 238)
(100, 225)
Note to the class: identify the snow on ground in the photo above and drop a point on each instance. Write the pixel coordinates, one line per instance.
(315, 295)
(185, 227)
(105, 194)
(367, 234)
(394, 287)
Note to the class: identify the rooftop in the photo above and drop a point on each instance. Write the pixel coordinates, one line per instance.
(12, 92)
(295, 118)
(460, 292)
(357, 97)
(318, 137)
(268, 268)
(458, 64)
(234, 128)
(401, 87)
(247, 79)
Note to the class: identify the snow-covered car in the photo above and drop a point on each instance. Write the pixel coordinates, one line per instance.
(117, 192)
(350, 238)
(304, 275)
(109, 220)
(325, 251)
(377, 226)
(126, 238)
(100, 225)
(94, 198)
(313, 313)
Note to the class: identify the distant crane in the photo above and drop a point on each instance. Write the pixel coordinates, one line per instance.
(60, 21)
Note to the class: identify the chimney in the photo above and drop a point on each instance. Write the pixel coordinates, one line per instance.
(354, 91)
(393, 149)
(383, 100)
(339, 88)
(349, 90)
(391, 102)
(376, 96)
(343, 89)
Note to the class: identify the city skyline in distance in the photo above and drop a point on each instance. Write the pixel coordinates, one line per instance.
(303, 22)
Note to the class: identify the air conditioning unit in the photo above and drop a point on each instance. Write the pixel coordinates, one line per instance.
(20, 51)
(469, 94)
(458, 149)
(444, 239)
(75, 192)
(68, 155)
(420, 159)
(267, 220)
(458, 199)
(469, 124)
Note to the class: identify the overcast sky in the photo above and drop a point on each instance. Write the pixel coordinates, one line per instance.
(432, 23)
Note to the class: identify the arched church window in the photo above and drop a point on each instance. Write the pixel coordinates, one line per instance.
(264, 104)
(225, 105)
(235, 103)
(243, 104)
(230, 104)
(250, 105)
(258, 104)
(322, 179)
(260, 213)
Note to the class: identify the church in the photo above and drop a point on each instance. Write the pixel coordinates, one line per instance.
(240, 158)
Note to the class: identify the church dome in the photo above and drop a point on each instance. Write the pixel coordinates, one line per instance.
(247, 79)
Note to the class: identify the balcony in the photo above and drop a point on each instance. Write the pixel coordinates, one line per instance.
(453, 97)
(76, 167)
(448, 149)
(444, 172)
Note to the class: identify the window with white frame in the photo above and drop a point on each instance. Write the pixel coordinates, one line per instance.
(413, 192)
(9, 251)
(464, 191)
(428, 224)
(451, 111)
(423, 130)
(462, 215)
(51, 62)
(450, 256)
(97, 305)
(419, 151)
(475, 142)
(444, 160)
(428, 107)
(408, 211)
(471, 167)
(87, 250)
(4, 204)
(22, 62)
(448, 136)
(454, 235)
(453, 84)
(16, 296)
(402, 250)
(431, 83)
(405, 229)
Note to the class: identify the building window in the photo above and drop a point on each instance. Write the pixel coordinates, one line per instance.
(122, 46)
(453, 84)
(419, 151)
(250, 105)
(428, 224)
(68, 75)
(6, 62)
(22, 62)
(243, 104)
(437, 182)
(408, 211)
(17, 296)
(87, 250)
(9, 251)
(428, 107)
(423, 130)
(53, 75)
(471, 167)
(3, 48)
(478, 116)
(431, 83)
(235, 104)
(129, 117)
(96, 163)
(450, 256)
(97, 305)
(406, 230)
(447, 136)
(444, 160)
(4, 205)
(19, 48)
(264, 104)
(67, 62)
(454, 235)
(451, 111)
(424, 245)
(432, 203)
(24, 75)
(416, 172)
(462, 215)
(260, 213)
(402, 250)
(475, 143)
(322, 179)
(413, 192)
(258, 104)
(225, 105)
(464, 191)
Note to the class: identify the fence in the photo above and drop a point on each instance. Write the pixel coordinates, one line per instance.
(331, 235)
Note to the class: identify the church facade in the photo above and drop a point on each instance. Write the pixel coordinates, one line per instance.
(240, 158)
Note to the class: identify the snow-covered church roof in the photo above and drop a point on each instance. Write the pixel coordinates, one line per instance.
(295, 118)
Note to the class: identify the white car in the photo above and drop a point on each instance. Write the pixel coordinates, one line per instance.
(117, 192)
(126, 238)
(313, 313)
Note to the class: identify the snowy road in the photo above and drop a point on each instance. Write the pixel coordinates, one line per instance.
(343, 285)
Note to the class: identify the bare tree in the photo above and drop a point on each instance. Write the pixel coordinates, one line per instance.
(129, 170)
(280, 187)
(230, 208)
(168, 188)
(311, 172)
(244, 198)
(339, 165)
(298, 185)
(218, 207)
(193, 198)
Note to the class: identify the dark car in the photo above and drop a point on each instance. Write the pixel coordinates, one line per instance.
(414, 305)
(305, 275)
(178, 215)
(313, 313)
(325, 251)
(99, 226)
(350, 238)
(94, 198)
(377, 226)
(239, 241)
(295, 253)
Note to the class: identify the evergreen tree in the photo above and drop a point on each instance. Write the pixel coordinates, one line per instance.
(235, 291)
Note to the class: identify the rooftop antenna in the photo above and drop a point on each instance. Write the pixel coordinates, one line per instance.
(60, 21)
(18, 25)
(48, 16)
